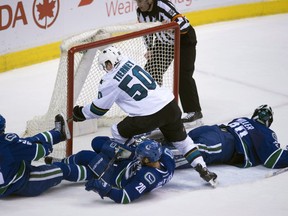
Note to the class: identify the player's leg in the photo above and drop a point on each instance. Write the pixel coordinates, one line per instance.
(187, 86)
(74, 172)
(175, 133)
(169, 122)
(54, 136)
(41, 179)
(216, 146)
(80, 158)
(130, 126)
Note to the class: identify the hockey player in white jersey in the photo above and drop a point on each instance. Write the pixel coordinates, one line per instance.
(148, 106)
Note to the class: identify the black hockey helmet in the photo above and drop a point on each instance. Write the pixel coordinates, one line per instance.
(263, 114)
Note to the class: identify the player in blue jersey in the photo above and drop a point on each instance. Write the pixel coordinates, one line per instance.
(124, 173)
(148, 106)
(19, 177)
(243, 142)
(152, 168)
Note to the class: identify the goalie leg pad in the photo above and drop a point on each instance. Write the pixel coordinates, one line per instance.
(99, 142)
(99, 164)
(105, 145)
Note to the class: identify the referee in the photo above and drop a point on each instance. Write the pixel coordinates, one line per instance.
(161, 43)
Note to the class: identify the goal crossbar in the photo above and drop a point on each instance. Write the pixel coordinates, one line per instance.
(79, 48)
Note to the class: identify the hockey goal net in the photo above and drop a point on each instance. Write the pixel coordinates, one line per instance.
(79, 75)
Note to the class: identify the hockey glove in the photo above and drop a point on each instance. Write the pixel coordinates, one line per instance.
(77, 114)
(98, 186)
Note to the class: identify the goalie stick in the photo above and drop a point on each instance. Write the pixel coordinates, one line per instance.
(277, 172)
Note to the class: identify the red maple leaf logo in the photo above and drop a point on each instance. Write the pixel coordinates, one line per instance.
(85, 2)
(45, 9)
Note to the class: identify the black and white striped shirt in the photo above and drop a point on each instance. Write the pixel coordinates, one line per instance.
(163, 10)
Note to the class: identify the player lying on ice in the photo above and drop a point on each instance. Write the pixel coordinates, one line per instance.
(124, 173)
(148, 105)
(244, 142)
(19, 177)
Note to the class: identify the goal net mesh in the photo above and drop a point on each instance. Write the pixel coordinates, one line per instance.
(87, 75)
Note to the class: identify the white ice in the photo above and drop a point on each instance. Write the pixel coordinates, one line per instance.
(240, 65)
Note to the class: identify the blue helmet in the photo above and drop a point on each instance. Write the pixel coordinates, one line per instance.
(149, 149)
(263, 114)
(2, 124)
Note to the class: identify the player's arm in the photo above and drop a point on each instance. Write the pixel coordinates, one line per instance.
(129, 193)
(100, 106)
(125, 195)
(132, 191)
(90, 111)
(271, 154)
(282, 159)
(170, 13)
(23, 149)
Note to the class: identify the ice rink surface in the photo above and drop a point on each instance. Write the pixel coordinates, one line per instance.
(240, 64)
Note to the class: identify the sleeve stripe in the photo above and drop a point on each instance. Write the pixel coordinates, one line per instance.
(125, 198)
(97, 110)
(273, 158)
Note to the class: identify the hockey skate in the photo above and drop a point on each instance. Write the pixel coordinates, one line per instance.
(192, 120)
(62, 127)
(205, 174)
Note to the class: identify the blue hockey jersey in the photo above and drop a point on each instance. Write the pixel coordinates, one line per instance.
(128, 178)
(132, 180)
(258, 144)
(16, 155)
(244, 142)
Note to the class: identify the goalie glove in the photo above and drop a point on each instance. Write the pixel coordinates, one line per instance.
(98, 186)
(78, 115)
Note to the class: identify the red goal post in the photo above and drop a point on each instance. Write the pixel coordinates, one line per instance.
(80, 48)
(79, 75)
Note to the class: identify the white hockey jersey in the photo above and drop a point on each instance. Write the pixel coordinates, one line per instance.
(132, 88)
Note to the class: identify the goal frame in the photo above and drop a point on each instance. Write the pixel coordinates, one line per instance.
(79, 48)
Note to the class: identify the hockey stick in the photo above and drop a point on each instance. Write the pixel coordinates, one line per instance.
(111, 162)
(277, 172)
(69, 119)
